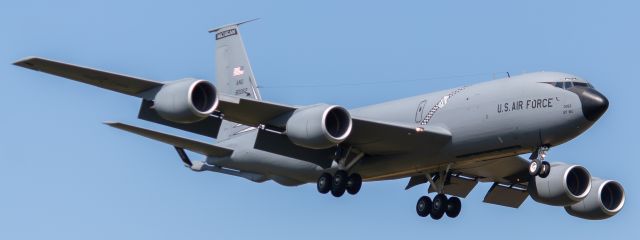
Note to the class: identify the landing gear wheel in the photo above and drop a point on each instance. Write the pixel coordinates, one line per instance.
(354, 183)
(453, 207)
(545, 169)
(339, 183)
(423, 207)
(534, 167)
(324, 183)
(439, 206)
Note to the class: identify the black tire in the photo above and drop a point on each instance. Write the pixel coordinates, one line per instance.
(453, 207)
(354, 184)
(545, 169)
(534, 167)
(423, 207)
(339, 185)
(324, 183)
(439, 206)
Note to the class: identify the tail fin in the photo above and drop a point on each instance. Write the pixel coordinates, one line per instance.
(234, 75)
(233, 71)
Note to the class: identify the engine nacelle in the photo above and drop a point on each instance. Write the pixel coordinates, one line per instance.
(605, 199)
(319, 126)
(565, 185)
(186, 100)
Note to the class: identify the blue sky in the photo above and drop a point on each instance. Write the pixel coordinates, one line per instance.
(64, 175)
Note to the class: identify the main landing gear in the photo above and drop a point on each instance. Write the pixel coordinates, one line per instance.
(339, 183)
(441, 204)
(539, 167)
(341, 180)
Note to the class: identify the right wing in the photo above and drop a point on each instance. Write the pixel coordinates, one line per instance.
(115, 82)
(133, 86)
(369, 135)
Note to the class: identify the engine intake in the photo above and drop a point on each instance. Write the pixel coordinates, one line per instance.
(186, 100)
(605, 200)
(319, 126)
(565, 185)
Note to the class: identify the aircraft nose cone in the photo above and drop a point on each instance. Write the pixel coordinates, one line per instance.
(594, 104)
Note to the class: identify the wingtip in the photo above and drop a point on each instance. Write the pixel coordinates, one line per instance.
(111, 123)
(25, 61)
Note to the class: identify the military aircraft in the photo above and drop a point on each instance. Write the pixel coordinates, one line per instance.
(451, 139)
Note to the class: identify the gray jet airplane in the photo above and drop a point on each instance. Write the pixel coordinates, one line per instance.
(451, 139)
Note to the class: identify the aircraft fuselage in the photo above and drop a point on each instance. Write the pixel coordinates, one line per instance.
(490, 120)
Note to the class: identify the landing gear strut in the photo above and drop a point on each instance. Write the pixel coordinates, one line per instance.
(539, 167)
(440, 205)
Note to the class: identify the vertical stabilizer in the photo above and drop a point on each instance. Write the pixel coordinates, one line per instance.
(234, 75)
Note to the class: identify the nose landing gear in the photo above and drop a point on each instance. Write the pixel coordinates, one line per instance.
(539, 167)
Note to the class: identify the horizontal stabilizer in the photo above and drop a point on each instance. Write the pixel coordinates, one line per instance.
(111, 81)
(192, 145)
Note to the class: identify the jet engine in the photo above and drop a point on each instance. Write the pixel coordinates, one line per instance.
(186, 100)
(605, 199)
(565, 185)
(319, 126)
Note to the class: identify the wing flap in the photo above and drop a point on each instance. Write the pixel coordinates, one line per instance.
(458, 186)
(192, 145)
(111, 81)
(250, 112)
(378, 137)
(507, 196)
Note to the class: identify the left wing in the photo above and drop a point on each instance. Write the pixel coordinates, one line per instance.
(115, 82)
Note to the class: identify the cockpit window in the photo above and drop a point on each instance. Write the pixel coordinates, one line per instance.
(580, 84)
(569, 84)
(559, 84)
